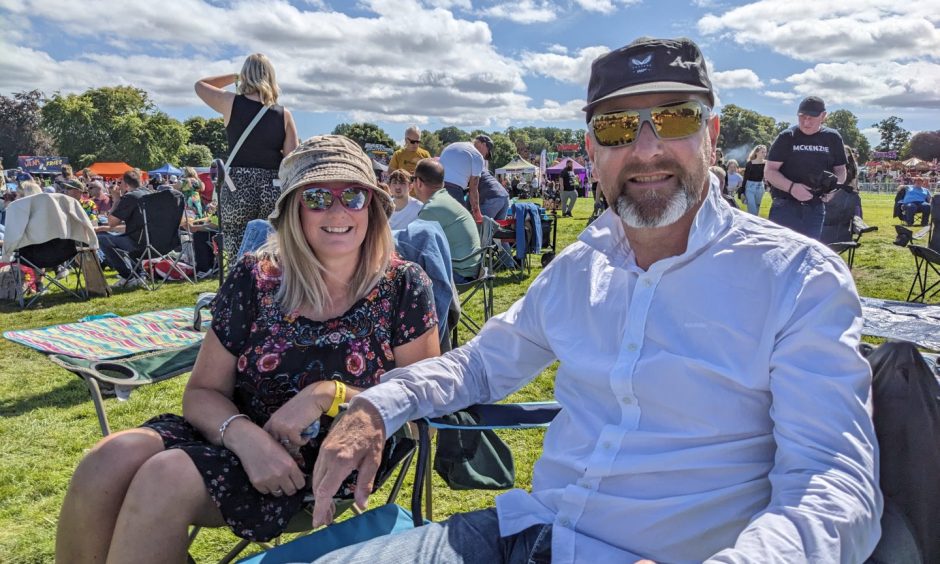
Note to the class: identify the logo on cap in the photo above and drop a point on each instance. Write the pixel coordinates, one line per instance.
(642, 65)
(683, 64)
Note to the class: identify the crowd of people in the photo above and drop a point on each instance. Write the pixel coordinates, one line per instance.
(646, 461)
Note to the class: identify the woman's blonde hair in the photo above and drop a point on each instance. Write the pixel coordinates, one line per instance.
(303, 275)
(189, 172)
(257, 77)
(753, 153)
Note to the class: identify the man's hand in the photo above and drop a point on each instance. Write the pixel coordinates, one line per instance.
(801, 192)
(477, 215)
(355, 443)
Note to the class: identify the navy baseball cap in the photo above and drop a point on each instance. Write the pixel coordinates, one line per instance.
(648, 66)
(812, 106)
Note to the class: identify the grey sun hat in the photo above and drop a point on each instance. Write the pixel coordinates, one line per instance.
(327, 158)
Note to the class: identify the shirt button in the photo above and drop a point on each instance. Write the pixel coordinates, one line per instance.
(627, 400)
(606, 445)
(565, 522)
(647, 282)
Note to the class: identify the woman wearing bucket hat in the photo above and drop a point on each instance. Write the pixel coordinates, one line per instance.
(253, 167)
(322, 310)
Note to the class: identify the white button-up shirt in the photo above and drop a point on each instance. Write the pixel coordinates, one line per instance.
(715, 406)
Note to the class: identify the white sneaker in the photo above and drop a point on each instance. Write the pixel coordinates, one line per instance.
(128, 283)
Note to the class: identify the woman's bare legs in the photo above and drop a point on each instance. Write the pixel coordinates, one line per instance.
(166, 495)
(96, 492)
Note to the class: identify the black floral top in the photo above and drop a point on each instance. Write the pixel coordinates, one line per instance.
(279, 353)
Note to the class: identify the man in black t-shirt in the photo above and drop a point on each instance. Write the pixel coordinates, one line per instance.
(125, 216)
(569, 189)
(795, 165)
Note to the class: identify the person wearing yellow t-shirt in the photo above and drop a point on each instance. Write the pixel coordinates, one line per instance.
(408, 157)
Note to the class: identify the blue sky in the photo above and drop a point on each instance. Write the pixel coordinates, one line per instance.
(478, 63)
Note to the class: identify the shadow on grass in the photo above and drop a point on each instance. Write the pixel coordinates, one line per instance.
(74, 392)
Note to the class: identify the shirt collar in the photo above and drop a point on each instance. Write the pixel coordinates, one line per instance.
(606, 234)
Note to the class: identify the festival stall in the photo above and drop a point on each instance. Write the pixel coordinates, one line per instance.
(517, 165)
(113, 171)
(166, 170)
(554, 171)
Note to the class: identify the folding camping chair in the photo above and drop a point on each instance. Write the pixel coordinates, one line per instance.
(927, 261)
(46, 231)
(482, 284)
(851, 241)
(161, 245)
(462, 430)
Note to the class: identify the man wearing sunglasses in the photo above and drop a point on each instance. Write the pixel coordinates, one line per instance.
(407, 157)
(795, 164)
(700, 421)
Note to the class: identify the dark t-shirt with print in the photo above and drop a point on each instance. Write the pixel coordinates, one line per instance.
(569, 181)
(805, 157)
(128, 211)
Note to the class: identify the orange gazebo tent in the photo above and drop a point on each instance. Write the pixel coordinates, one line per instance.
(113, 170)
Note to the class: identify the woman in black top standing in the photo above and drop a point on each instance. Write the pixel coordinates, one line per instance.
(754, 178)
(254, 168)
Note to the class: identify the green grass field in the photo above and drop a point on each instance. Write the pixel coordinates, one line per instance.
(47, 420)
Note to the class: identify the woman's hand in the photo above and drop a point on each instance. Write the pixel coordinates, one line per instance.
(269, 466)
(289, 421)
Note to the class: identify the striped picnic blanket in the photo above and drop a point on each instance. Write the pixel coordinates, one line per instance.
(114, 337)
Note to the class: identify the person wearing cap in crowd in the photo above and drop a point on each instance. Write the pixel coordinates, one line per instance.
(463, 164)
(494, 199)
(75, 188)
(569, 189)
(667, 447)
(316, 315)
(795, 165)
(408, 156)
(463, 237)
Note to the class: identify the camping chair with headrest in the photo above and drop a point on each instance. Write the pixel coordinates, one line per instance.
(45, 232)
(158, 255)
(482, 284)
(927, 261)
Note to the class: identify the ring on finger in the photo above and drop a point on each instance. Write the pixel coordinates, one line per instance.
(277, 492)
(285, 442)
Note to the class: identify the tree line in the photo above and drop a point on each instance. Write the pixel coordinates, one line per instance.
(121, 123)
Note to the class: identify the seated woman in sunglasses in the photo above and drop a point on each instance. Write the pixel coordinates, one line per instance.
(317, 314)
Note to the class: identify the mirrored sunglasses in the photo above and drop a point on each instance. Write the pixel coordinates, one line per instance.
(413, 141)
(353, 198)
(669, 121)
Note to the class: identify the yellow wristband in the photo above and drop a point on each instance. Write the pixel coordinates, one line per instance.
(338, 398)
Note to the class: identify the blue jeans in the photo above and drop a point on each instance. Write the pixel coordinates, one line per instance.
(753, 194)
(107, 242)
(914, 208)
(806, 218)
(495, 207)
(256, 233)
(468, 538)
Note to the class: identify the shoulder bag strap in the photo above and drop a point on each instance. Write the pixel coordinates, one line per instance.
(231, 156)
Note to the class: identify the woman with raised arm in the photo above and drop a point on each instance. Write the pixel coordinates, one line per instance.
(254, 166)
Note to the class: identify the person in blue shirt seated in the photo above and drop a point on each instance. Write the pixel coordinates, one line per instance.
(916, 200)
(667, 447)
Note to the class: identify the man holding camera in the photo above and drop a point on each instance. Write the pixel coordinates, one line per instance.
(797, 168)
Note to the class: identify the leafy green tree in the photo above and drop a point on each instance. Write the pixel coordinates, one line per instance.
(893, 136)
(364, 132)
(451, 134)
(925, 145)
(431, 142)
(210, 133)
(846, 124)
(503, 150)
(114, 124)
(21, 130)
(194, 154)
(743, 128)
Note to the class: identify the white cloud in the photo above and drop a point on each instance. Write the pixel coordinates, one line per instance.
(877, 53)
(604, 6)
(575, 69)
(523, 11)
(737, 78)
(557, 49)
(778, 95)
(834, 31)
(326, 61)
